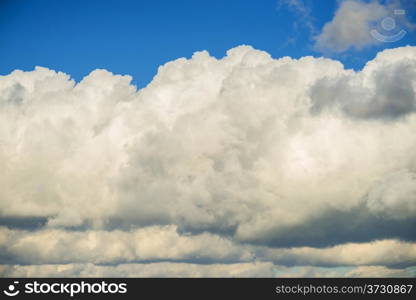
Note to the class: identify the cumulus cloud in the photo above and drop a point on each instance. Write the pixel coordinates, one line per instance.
(385, 88)
(162, 269)
(152, 244)
(374, 253)
(113, 247)
(353, 23)
(364, 271)
(168, 269)
(215, 161)
(351, 26)
(380, 271)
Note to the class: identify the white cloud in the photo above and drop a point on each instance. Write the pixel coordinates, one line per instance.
(354, 21)
(164, 269)
(363, 271)
(52, 246)
(374, 253)
(351, 26)
(140, 270)
(381, 271)
(385, 88)
(242, 150)
(394, 196)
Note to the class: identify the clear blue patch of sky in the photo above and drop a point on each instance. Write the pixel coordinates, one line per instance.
(136, 37)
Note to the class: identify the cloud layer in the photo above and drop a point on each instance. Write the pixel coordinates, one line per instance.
(242, 160)
(358, 24)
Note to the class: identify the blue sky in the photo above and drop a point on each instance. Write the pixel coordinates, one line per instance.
(135, 37)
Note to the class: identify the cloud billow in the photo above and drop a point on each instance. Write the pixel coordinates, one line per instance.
(216, 161)
(381, 91)
(359, 24)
